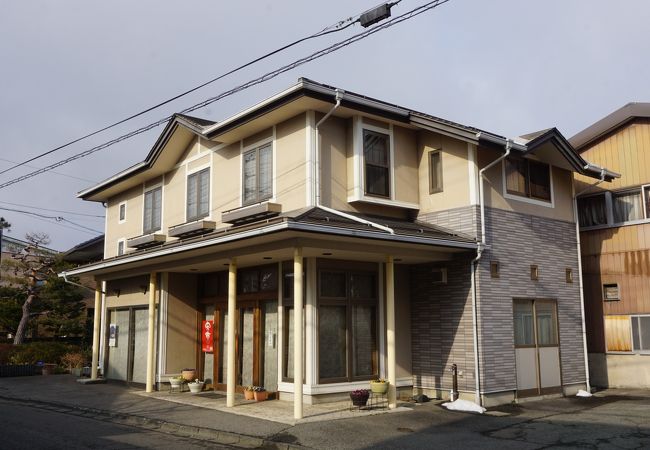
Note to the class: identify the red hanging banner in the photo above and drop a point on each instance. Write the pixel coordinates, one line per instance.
(207, 337)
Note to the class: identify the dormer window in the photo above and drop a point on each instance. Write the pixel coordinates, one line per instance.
(258, 174)
(376, 155)
(527, 178)
(198, 195)
(152, 210)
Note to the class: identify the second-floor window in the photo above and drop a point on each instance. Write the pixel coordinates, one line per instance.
(528, 178)
(198, 195)
(376, 155)
(614, 208)
(258, 174)
(152, 210)
(122, 213)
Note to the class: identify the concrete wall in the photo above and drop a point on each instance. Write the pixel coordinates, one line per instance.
(516, 241)
(619, 371)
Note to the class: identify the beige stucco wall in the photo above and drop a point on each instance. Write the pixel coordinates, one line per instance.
(334, 142)
(455, 173)
(291, 159)
(131, 227)
(131, 292)
(494, 198)
(182, 320)
(405, 168)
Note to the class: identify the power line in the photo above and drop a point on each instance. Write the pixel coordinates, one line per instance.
(328, 30)
(58, 173)
(268, 76)
(56, 218)
(53, 210)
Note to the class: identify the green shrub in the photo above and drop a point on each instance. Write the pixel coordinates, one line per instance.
(48, 352)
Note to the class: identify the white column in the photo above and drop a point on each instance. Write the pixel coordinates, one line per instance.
(390, 333)
(232, 298)
(151, 331)
(96, 328)
(297, 328)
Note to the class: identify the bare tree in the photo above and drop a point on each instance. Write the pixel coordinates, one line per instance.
(31, 267)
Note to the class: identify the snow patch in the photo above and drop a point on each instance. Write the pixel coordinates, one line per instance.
(582, 393)
(464, 405)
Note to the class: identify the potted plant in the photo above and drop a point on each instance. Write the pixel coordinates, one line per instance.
(249, 392)
(379, 386)
(196, 386)
(74, 361)
(176, 382)
(359, 397)
(188, 374)
(260, 393)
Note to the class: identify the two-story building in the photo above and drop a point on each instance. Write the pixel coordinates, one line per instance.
(323, 238)
(615, 243)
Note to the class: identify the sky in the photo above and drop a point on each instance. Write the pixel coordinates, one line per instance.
(71, 67)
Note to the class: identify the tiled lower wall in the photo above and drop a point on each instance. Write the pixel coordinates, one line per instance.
(442, 317)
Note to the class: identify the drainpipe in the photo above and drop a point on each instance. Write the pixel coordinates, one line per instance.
(64, 275)
(581, 287)
(339, 97)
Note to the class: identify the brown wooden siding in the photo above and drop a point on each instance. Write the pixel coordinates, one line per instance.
(627, 151)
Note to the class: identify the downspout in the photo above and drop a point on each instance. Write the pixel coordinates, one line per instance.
(64, 275)
(474, 264)
(581, 286)
(339, 97)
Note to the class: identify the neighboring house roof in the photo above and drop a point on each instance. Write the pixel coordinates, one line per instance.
(313, 219)
(610, 123)
(87, 251)
(13, 245)
(304, 88)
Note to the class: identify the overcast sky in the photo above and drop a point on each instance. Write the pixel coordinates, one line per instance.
(507, 66)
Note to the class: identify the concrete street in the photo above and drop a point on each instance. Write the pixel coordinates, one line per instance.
(58, 410)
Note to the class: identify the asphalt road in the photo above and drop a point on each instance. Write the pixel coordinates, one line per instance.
(26, 427)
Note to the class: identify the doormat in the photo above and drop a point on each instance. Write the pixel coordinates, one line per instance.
(211, 396)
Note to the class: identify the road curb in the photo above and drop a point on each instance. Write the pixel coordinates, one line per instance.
(162, 426)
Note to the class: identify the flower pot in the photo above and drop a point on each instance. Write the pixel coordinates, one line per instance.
(76, 371)
(378, 387)
(195, 388)
(261, 396)
(249, 395)
(175, 382)
(189, 374)
(359, 399)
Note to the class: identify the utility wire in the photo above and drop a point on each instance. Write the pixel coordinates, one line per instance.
(53, 210)
(328, 30)
(56, 218)
(268, 76)
(57, 173)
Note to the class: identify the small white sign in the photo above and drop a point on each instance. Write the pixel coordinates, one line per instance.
(112, 335)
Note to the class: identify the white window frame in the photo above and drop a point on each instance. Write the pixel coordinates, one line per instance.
(532, 201)
(117, 249)
(119, 208)
(245, 149)
(162, 205)
(359, 182)
(635, 351)
(194, 170)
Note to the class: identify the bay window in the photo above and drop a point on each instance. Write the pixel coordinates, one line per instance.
(376, 154)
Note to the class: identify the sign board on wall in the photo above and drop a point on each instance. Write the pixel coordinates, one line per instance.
(112, 335)
(207, 336)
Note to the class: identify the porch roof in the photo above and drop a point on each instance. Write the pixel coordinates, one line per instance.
(307, 223)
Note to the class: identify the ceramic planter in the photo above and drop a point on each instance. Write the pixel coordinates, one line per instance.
(175, 382)
(195, 387)
(261, 396)
(378, 387)
(189, 374)
(249, 395)
(76, 371)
